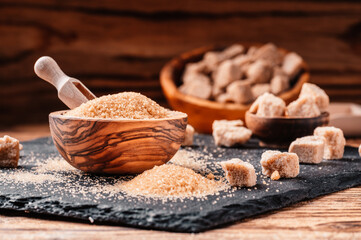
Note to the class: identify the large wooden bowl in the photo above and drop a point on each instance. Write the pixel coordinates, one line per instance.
(281, 131)
(117, 146)
(202, 113)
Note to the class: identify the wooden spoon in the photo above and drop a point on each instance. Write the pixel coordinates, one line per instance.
(70, 90)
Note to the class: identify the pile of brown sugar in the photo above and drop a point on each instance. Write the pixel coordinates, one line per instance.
(125, 105)
(171, 181)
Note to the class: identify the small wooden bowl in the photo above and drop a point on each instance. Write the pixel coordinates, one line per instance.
(117, 146)
(281, 131)
(202, 113)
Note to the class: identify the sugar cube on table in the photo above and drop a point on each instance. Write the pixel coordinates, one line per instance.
(359, 150)
(239, 173)
(320, 97)
(189, 134)
(9, 152)
(286, 164)
(292, 64)
(309, 149)
(268, 105)
(334, 141)
(303, 107)
(240, 91)
(229, 136)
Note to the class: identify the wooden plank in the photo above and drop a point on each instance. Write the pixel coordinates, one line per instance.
(208, 7)
(125, 49)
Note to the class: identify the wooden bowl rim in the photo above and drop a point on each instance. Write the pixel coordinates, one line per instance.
(59, 114)
(286, 118)
(169, 86)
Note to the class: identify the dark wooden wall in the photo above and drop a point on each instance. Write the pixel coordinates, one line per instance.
(117, 46)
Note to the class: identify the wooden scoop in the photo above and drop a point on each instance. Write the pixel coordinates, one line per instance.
(70, 90)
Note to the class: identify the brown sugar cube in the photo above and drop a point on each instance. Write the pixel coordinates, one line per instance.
(191, 76)
(310, 90)
(292, 64)
(287, 164)
(251, 51)
(226, 73)
(309, 149)
(303, 107)
(268, 105)
(199, 87)
(259, 72)
(188, 138)
(192, 69)
(260, 89)
(334, 141)
(223, 98)
(240, 91)
(212, 60)
(232, 51)
(231, 136)
(279, 82)
(9, 152)
(239, 173)
(241, 60)
(268, 53)
(227, 123)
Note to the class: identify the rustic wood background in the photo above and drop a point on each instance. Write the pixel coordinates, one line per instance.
(115, 46)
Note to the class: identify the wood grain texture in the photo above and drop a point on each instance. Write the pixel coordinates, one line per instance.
(114, 46)
(117, 146)
(335, 216)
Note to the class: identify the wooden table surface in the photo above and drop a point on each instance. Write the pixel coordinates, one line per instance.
(335, 216)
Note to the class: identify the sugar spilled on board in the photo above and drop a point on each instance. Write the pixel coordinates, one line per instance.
(189, 175)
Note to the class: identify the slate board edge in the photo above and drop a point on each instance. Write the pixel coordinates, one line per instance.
(136, 218)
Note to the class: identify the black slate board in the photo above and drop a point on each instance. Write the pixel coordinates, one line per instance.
(179, 216)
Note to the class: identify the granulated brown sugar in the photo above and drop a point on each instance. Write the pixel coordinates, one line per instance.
(171, 181)
(125, 105)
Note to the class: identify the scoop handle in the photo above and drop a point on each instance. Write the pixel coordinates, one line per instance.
(70, 90)
(47, 69)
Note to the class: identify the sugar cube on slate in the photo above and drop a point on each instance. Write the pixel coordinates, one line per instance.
(229, 135)
(239, 173)
(9, 152)
(287, 164)
(335, 141)
(309, 149)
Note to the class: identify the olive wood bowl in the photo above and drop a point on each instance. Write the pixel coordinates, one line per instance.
(117, 146)
(281, 131)
(202, 113)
